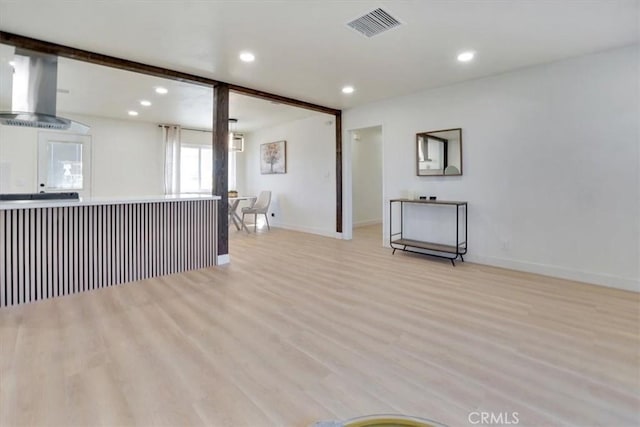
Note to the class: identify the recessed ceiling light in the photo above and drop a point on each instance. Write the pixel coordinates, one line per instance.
(12, 63)
(133, 113)
(161, 90)
(145, 103)
(247, 57)
(348, 89)
(466, 56)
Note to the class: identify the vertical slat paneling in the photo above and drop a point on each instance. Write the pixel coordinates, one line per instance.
(162, 229)
(82, 248)
(95, 213)
(171, 229)
(146, 241)
(112, 246)
(70, 254)
(64, 254)
(4, 268)
(20, 257)
(180, 227)
(90, 245)
(31, 254)
(41, 261)
(75, 241)
(187, 235)
(10, 247)
(47, 252)
(50, 252)
(132, 243)
(56, 249)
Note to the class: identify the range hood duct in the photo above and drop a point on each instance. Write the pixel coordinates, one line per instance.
(34, 92)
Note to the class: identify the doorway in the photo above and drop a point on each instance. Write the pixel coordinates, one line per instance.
(366, 178)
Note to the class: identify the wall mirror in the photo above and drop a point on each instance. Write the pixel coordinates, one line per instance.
(439, 153)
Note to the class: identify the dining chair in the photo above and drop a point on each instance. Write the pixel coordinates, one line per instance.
(261, 206)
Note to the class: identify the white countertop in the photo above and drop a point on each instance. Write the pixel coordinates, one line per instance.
(93, 201)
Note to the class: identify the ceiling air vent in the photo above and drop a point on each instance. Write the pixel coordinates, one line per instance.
(374, 23)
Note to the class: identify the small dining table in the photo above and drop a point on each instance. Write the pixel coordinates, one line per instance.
(234, 202)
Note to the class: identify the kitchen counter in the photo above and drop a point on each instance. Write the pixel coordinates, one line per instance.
(52, 248)
(97, 201)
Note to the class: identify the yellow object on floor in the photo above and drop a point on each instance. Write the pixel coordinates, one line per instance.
(386, 420)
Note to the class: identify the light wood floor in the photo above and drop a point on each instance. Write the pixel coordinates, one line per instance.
(302, 328)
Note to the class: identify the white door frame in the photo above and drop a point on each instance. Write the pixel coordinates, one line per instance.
(347, 180)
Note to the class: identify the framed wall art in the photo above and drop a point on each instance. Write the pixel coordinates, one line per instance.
(273, 157)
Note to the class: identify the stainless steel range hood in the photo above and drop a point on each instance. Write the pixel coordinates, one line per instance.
(34, 92)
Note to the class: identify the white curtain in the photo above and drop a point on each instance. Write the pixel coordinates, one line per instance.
(171, 141)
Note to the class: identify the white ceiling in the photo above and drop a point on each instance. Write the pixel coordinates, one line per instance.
(108, 92)
(304, 49)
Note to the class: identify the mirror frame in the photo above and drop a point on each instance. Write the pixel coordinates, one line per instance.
(418, 135)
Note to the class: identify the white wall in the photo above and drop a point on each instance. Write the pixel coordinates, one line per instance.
(196, 137)
(551, 164)
(18, 159)
(127, 157)
(241, 169)
(367, 176)
(304, 198)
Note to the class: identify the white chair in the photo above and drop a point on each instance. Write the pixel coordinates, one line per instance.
(261, 206)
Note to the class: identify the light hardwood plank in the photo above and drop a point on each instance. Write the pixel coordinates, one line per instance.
(301, 328)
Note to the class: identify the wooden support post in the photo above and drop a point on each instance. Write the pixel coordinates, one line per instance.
(339, 172)
(221, 162)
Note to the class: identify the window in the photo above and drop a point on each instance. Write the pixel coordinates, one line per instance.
(232, 171)
(196, 169)
(64, 162)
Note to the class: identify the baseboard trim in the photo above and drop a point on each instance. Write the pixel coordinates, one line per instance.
(608, 281)
(366, 223)
(605, 280)
(310, 230)
(224, 259)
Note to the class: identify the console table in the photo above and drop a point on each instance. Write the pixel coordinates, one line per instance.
(398, 240)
